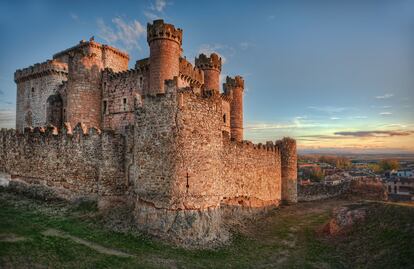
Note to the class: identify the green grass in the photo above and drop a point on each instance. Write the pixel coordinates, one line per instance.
(288, 238)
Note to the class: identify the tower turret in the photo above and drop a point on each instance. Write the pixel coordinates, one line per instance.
(287, 147)
(235, 87)
(211, 67)
(165, 49)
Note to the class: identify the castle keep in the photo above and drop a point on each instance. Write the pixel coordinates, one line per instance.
(161, 137)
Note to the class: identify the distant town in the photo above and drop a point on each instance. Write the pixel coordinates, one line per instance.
(396, 173)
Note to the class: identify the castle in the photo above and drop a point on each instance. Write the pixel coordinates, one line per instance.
(160, 137)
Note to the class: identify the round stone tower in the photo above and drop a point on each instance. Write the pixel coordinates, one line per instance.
(211, 67)
(287, 147)
(235, 87)
(165, 49)
(84, 90)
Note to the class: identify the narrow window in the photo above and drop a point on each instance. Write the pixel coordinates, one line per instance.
(124, 104)
(104, 86)
(224, 118)
(395, 189)
(140, 82)
(32, 90)
(105, 107)
(64, 115)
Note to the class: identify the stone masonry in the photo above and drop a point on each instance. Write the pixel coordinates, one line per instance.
(160, 137)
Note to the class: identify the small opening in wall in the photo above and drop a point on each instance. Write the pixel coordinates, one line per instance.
(64, 115)
(105, 107)
(140, 82)
(124, 104)
(32, 90)
(224, 118)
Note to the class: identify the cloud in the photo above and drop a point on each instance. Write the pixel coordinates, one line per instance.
(385, 113)
(74, 16)
(374, 133)
(151, 16)
(158, 5)
(359, 117)
(217, 48)
(271, 17)
(385, 96)
(335, 118)
(245, 45)
(125, 33)
(329, 109)
(7, 118)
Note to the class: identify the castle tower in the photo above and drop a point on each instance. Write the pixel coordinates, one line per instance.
(211, 67)
(165, 49)
(287, 147)
(235, 87)
(84, 94)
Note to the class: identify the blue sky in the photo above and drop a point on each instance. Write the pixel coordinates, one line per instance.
(336, 75)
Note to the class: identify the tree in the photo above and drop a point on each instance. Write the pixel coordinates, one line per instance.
(389, 165)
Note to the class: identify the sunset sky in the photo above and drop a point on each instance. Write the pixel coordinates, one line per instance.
(335, 75)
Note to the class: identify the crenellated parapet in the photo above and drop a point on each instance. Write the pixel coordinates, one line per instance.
(233, 83)
(160, 30)
(50, 67)
(90, 44)
(205, 62)
(193, 75)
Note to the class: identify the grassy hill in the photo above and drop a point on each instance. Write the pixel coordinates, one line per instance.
(36, 234)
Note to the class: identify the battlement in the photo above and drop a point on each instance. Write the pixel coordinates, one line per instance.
(110, 74)
(142, 64)
(83, 44)
(226, 97)
(47, 68)
(193, 75)
(51, 131)
(161, 30)
(231, 83)
(212, 62)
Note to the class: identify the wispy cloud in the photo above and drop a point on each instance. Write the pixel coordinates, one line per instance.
(217, 48)
(7, 118)
(329, 109)
(158, 5)
(74, 16)
(124, 33)
(385, 113)
(374, 133)
(245, 45)
(358, 117)
(385, 96)
(151, 16)
(335, 118)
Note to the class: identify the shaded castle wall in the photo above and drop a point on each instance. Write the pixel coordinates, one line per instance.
(35, 85)
(74, 165)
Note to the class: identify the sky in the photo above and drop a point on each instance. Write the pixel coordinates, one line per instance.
(336, 75)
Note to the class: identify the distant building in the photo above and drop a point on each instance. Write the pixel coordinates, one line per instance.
(401, 188)
(405, 173)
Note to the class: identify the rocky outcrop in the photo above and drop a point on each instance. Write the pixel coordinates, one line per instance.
(344, 218)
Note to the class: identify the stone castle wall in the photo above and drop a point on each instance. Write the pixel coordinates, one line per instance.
(121, 93)
(74, 163)
(34, 86)
(185, 169)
